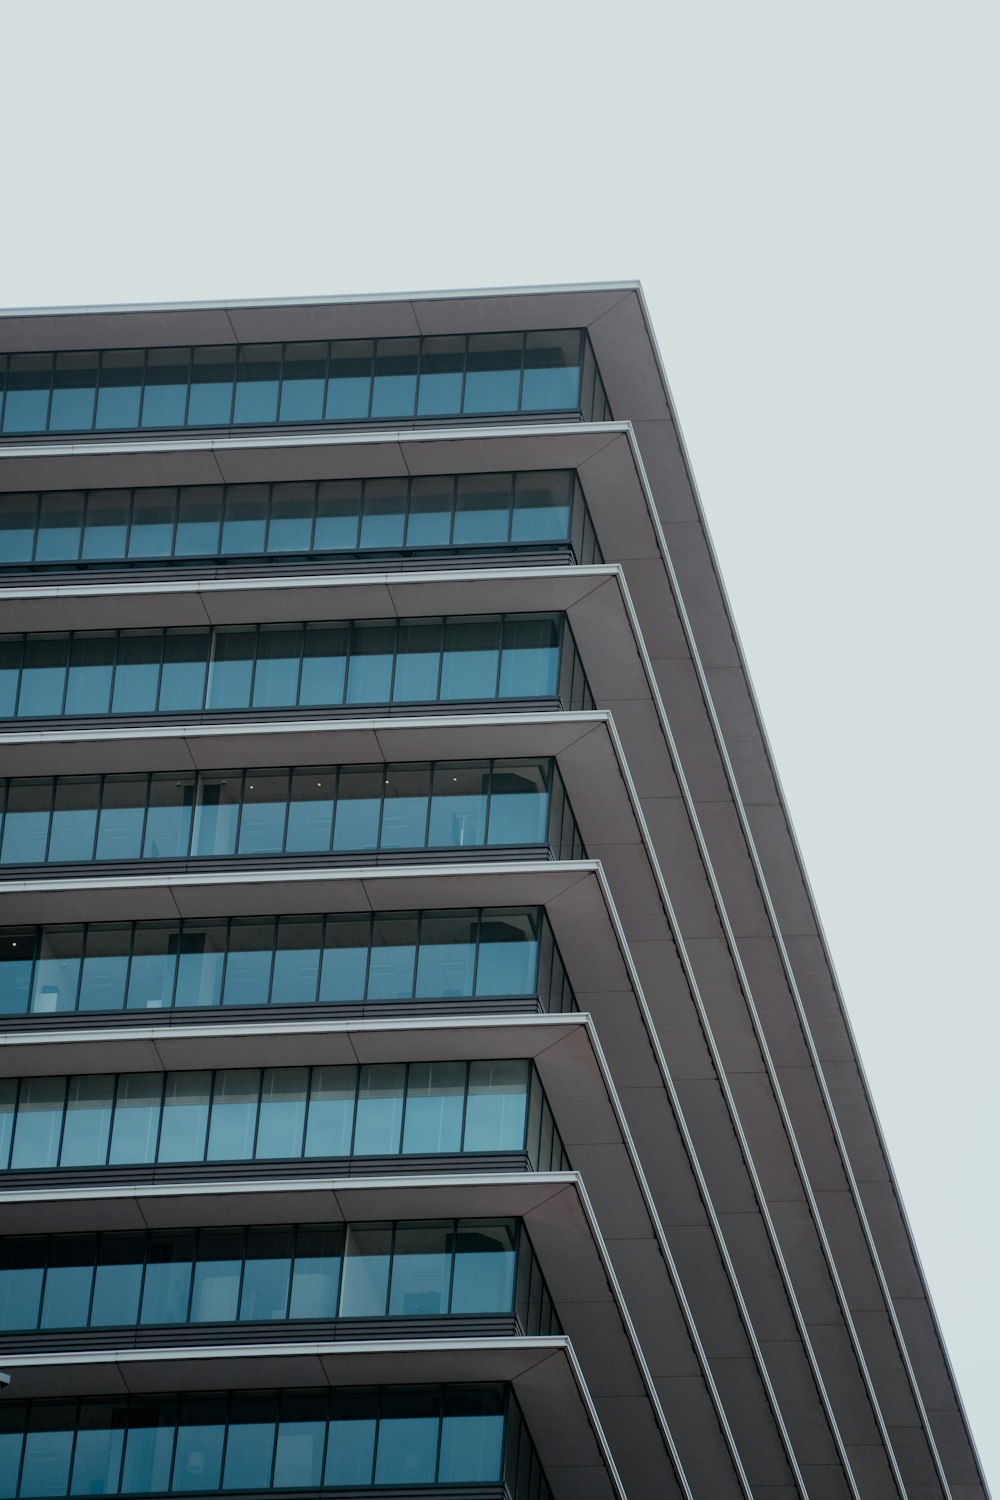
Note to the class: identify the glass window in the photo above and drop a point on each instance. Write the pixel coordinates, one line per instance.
(404, 811)
(106, 531)
(118, 1280)
(22, 1263)
(27, 405)
(257, 383)
(265, 807)
(542, 506)
(137, 672)
(407, 1437)
(530, 664)
(182, 677)
(428, 523)
(421, 1270)
(68, 1280)
(519, 805)
(43, 676)
(123, 812)
(369, 672)
(296, 961)
(482, 509)
(442, 366)
(168, 818)
(88, 1120)
(331, 1111)
(383, 518)
(198, 515)
(245, 523)
(38, 1124)
(211, 400)
(496, 1112)
(338, 515)
(359, 797)
(74, 819)
(380, 1109)
(472, 1437)
(298, 1454)
(149, 1447)
(8, 1093)
(11, 653)
(151, 971)
(552, 370)
(345, 959)
(316, 1273)
(26, 822)
(250, 1445)
(200, 958)
(91, 664)
(185, 1116)
(367, 1252)
(394, 949)
(471, 654)
(395, 387)
(97, 1455)
(165, 398)
(350, 1449)
(349, 386)
(105, 968)
(231, 671)
(508, 954)
(418, 661)
(18, 518)
(57, 972)
(267, 1274)
(485, 1262)
(458, 806)
(216, 814)
(282, 1117)
(291, 524)
(137, 1118)
(201, 1432)
(279, 661)
(493, 377)
(60, 519)
(435, 1100)
(215, 1291)
(73, 389)
(248, 962)
(17, 947)
(324, 665)
(310, 811)
(120, 388)
(152, 530)
(166, 1291)
(235, 1101)
(48, 1447)
(303, 385)
(447, 955)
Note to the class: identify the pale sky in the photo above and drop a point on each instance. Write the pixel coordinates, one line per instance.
(808, 192)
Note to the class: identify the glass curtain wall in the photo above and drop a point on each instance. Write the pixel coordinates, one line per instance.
(349, 382)
(350, 518)
(386, 958)
(346, 810)
(327, 664)
(273, 1114)
(214, 1442)
(443, 1268)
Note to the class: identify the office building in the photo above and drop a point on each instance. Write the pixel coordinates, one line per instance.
(423, 1069)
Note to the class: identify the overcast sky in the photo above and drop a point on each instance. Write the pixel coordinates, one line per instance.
(808, 192)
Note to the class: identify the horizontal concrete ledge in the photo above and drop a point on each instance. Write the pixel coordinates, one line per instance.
(544, 1373)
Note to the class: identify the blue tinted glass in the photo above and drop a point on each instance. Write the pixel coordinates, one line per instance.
(508, 955)
(137, 1118)
(248, 962)
(394, 949)
(296, 961)
(246, 518)
(39, 1122)
(291, 524)
(345, 959)
(60, 520)
(383, 518)
(418, 662)
(267, 1273)
(105, 968)
(349, 387)
(458, 806)
(442, 365)
(11, 653)
(265, 805)
(380, 1109)
(250, 1445)
(471, 1437)
(151, 971)
(168, 819)
(152, 532)
(493, 376)
(91, 662)
(542, 506)
(359, 797)
(551, 371)
(365, 1285)
(298, 1455)
(421, 1271)
(26, 824)
(211, 400)
(395, 388)
(471, 653)
(117, 1281)
(234, 1115)
(48, 1446)
(97, 1456)
(303, 384)
(123, 813)
(482, 509)
(407, 1438)
(74, 821)
(120, 388)
(331, 1111)
(519, 807)
(350, 1449)
(66, 1303)
(497, 1106)
(18, 516)
(404, 814)
(106, 530)
(316, 1274)
(231, 671)
(198, 515)
(88, 1120)
(149, 1447)
(21, 1268)
(431, 504)
(185, 1117)
(279, 1134)
(310, 811)
(369, 673)
(73, 388)
(483, 1279)
(215, 1291)
(198, 1452)
(43, 676)
(279, 657)
(182, 679)
(199, 963)
(137, 672)
(530, 664)
(28, 380)
(257, 383)
(338, 511)
(16, 956)
(165, 399)
(435, 1101)
(324, 665)
(447, 957)
(57, 971)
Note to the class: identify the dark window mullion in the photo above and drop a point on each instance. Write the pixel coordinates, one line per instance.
(475, 956)
(465, 1103)
(159, 1122)
(368, 955)
(54, 785)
